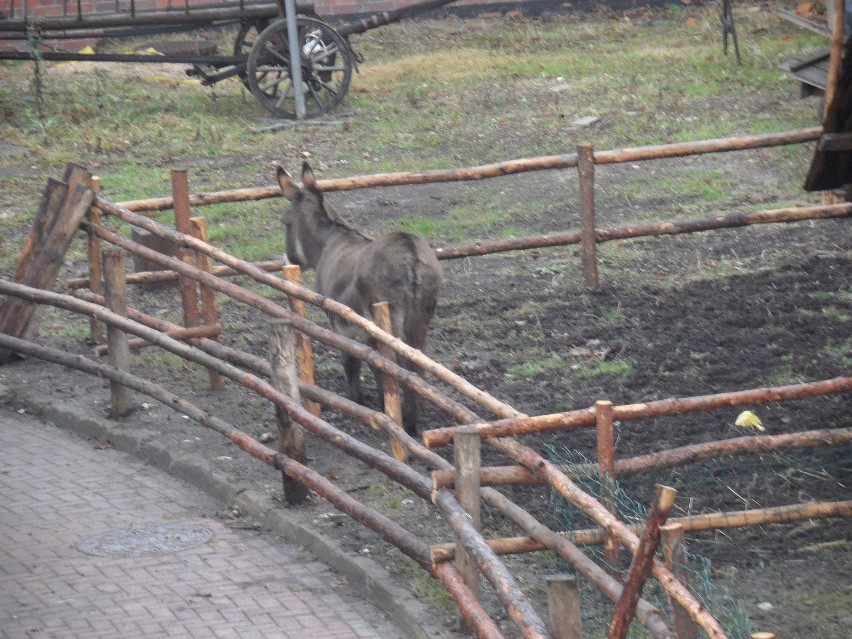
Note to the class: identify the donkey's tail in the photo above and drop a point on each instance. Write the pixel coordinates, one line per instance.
(421, 308)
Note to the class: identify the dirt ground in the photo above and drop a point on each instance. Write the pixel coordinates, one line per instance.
(674, 316)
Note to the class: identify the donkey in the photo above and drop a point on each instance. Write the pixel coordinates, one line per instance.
(398, 268)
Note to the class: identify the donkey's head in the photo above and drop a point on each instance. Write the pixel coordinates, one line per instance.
(309, 221)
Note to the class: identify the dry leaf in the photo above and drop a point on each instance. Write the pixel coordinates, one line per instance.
(748, 419)
(805, 9)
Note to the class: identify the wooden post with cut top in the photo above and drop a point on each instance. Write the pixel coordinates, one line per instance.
(390, 389)
(291, 435)
(563, 599)
(467, 461)
(674, 550)
(643, 560)
(304, 350)
(198, 230)
(115, 296)
(188, 286)
(606, 473)
(588, 241)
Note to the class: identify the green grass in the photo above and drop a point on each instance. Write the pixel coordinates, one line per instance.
(536, 367)
(602, 368)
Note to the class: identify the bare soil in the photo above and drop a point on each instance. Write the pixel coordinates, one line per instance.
(674, 316)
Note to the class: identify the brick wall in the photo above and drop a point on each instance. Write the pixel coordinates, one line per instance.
(330, 8)
(14, 8)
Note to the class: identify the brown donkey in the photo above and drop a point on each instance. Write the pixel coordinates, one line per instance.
(398, 268)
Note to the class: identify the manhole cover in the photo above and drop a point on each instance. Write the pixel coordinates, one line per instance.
(146, 540)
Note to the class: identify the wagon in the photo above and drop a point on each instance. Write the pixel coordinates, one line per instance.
(261, 54)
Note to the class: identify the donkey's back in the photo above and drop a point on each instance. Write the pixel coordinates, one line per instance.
(398, 268)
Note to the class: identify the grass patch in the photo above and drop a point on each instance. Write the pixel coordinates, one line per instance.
(537, 367)
(598, 369)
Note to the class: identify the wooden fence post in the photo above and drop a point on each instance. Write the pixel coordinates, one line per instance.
(588, 246)
(115, 295)
(188, 286)
(304, 350)
(674, 549)
(467, 460)
(606, 472)
(563, 599)
(643, 560)
(198, 229)
(291, 435)
(393, 405)
(96, 328)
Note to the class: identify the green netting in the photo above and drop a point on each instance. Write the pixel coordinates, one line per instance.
(693, 569)
(738, 482)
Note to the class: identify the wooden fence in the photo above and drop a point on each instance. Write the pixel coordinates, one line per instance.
(196, 341)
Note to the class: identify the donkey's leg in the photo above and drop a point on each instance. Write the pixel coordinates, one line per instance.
(380, 386)
(352, 369)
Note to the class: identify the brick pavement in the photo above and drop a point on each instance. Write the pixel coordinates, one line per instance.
(57, 489)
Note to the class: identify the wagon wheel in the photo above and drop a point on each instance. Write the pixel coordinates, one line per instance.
(326, 64)
(246, 37)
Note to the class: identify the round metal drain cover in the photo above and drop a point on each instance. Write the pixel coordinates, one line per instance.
(146, 540)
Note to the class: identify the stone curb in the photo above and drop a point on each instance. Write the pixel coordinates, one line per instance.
(369, 580)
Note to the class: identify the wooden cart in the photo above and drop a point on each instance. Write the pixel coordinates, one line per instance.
(260, 55)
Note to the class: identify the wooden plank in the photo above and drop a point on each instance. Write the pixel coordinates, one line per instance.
(20, 318)
(799, 21)
(835, 141)
(563, 599)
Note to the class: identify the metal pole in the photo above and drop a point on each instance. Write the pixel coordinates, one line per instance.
(295, 57)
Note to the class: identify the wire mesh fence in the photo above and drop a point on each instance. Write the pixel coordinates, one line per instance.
(727, 484)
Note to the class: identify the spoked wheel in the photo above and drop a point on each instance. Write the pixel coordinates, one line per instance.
(326, 64)
(246, 37)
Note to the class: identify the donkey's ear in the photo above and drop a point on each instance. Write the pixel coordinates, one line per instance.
(288, 187)
(308, 178)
